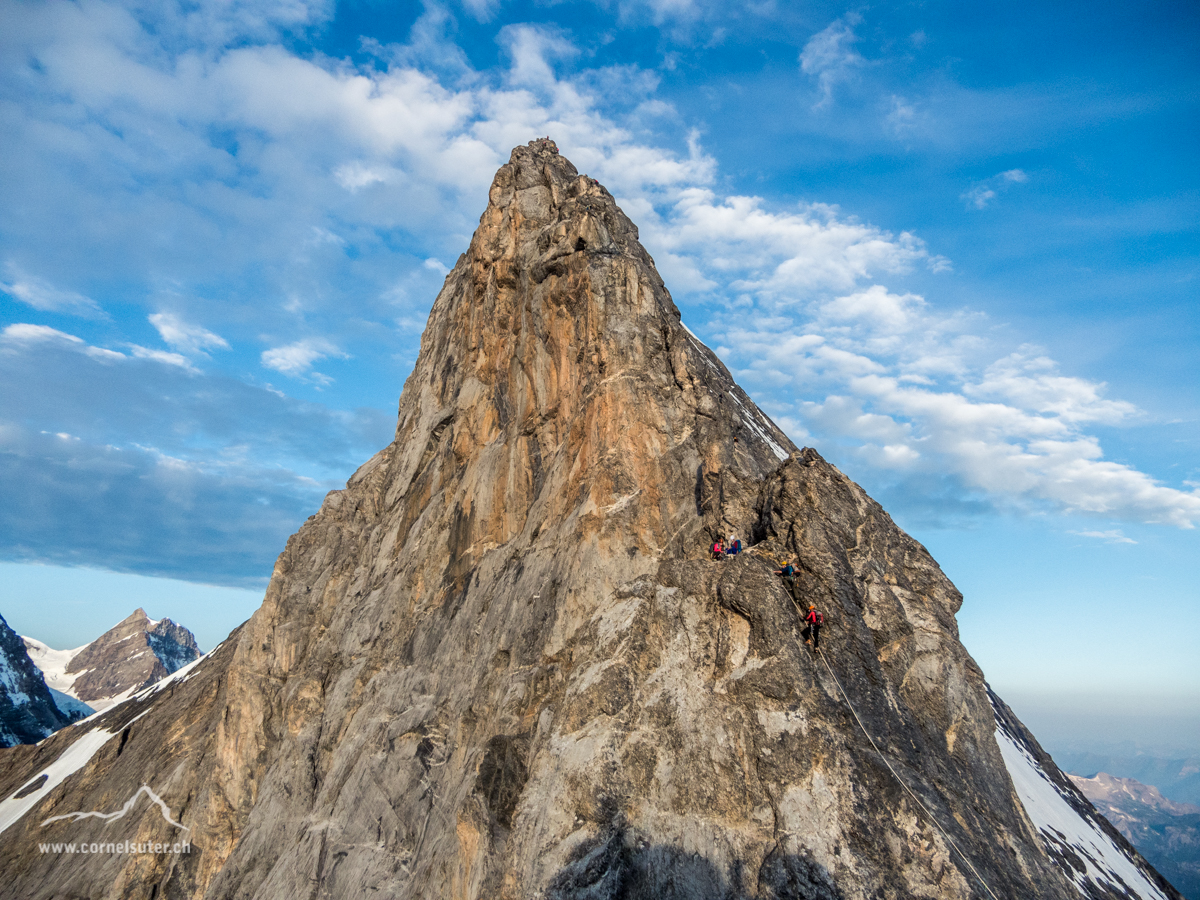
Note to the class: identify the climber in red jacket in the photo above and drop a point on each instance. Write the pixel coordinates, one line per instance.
(812, 627)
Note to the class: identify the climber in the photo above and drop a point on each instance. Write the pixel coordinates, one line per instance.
(788, 573)
(718, 549)
(734, 547)
(812, 628)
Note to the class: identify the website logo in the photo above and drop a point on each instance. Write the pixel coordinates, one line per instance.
(113, 816)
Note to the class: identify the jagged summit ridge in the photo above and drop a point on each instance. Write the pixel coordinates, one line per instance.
(500, 665)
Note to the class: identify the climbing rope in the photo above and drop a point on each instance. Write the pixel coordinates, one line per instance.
(929, 815)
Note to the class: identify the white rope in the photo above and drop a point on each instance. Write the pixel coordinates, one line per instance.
(895, 774)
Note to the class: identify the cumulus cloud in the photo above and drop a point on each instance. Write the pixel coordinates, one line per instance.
(780, 256)
(165, 472)
(534, 49)
(25, 333)
(912, 390)
(135, 509)
(829, 55)
(162, 356)
(22, 333)
(902, 116)
(214, 155)
(979, 196)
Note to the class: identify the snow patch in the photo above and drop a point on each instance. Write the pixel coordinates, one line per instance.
(1065, 830)
(178, 675)
(71, 761)
(100, 704)
(758, 427)
(10, 682)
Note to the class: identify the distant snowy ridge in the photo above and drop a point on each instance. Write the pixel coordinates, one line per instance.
(70, 706)
(1087, 848)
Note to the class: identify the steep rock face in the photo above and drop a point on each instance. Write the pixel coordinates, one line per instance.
(27, 710)
(499, 664)
(133, 654)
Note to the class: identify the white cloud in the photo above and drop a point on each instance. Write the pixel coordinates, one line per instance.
(296, 360)
(1033, 382)
(185, 337)
(533, 50)
(876, 308)
(984, 192)
(978, 196)
(252, 152)
(902, 118)
(42, 295)
(1115, 536)
(27, 334)
(161, 356)
(780, 256)
(918, 392)
(829, 55)
(354, 176)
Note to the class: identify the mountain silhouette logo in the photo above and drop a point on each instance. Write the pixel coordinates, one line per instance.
(113, 816)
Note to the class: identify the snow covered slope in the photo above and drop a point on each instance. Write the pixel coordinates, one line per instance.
(53, 664)
(1086, 846)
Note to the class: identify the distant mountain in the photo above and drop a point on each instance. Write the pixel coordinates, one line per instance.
(1165, 832)
(134, 653)
(28, 712)
(1177, 777)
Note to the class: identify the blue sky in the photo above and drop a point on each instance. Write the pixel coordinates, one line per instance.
(955, 249)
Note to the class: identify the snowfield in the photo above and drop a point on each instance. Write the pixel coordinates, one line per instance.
(72, 760)
(1068, 833)
(53, 664)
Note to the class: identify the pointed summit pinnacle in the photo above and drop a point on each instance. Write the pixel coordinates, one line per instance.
(555, 381)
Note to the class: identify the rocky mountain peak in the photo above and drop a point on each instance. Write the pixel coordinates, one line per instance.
(134, 653)
(501, 664)
(556, 382)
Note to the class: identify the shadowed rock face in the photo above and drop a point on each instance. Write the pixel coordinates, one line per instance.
(500, 665)
(27, 710)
